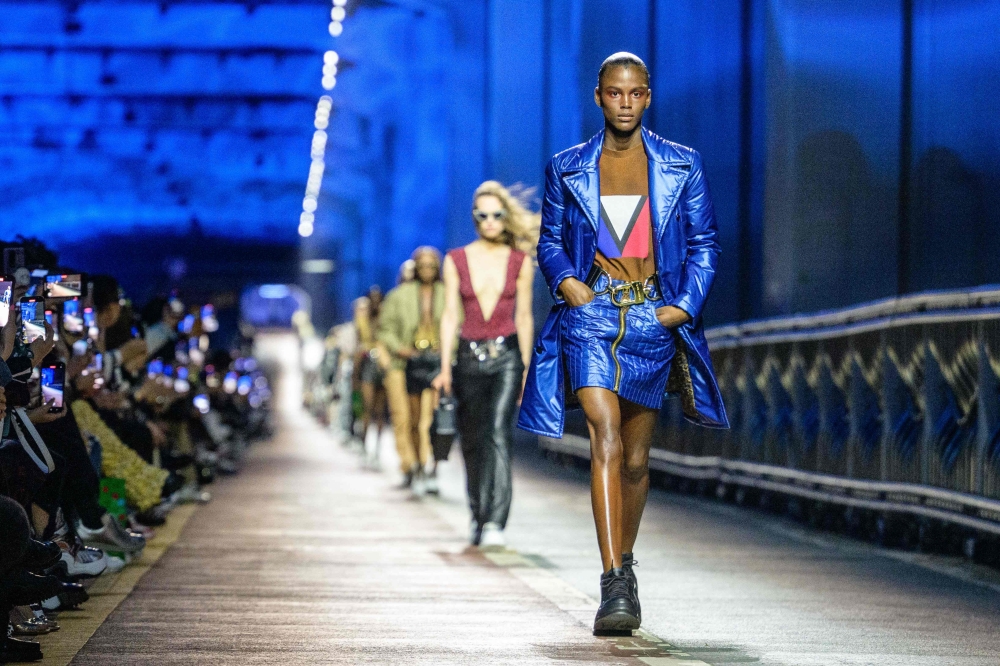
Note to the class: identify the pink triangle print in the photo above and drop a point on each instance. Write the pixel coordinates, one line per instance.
(624, 231)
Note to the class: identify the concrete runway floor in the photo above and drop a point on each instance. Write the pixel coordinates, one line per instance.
(307, 558)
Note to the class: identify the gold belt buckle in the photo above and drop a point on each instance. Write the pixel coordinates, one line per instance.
(630, 293)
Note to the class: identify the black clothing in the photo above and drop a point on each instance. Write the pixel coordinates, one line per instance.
(15, 534)
(421, 371)
(80, 484)
(487, 385)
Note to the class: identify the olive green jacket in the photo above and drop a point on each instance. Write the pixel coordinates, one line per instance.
(399, 318)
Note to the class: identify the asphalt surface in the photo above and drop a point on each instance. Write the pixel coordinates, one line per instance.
(306, 558)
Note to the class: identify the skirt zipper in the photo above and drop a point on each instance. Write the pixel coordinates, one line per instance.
(614, 346)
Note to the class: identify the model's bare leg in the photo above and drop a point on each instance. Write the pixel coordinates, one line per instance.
(368, 406)
(637, 425)
(600, 406)
(418, 452)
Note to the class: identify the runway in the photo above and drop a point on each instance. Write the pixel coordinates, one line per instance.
(306, 558)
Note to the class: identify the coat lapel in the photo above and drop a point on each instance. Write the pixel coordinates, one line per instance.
(667, 176)
(583, 179)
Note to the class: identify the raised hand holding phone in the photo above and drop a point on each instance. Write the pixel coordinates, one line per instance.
(44, 413)
(41, 346)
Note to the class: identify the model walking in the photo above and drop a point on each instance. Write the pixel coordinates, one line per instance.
(488, 293)
(370, 375)
(628, 248)
(408, 330)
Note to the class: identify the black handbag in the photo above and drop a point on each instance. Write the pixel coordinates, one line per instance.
(444, 427)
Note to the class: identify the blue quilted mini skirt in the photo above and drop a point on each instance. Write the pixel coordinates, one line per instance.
(622, 348)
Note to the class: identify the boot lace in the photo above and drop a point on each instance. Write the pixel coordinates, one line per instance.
(619, 586)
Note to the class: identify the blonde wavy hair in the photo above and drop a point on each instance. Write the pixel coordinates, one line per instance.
(521, 226)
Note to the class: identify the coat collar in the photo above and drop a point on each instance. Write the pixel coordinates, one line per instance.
(581, 175)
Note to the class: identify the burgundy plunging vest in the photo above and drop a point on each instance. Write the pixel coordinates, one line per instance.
(501, 322)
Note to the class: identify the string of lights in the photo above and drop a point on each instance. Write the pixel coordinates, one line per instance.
(307, 219)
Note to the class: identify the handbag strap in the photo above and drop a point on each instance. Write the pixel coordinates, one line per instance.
(20, 417)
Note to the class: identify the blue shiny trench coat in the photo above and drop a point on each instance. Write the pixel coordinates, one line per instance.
(684, 239)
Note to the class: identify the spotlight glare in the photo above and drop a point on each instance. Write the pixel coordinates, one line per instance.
(306, 218)
(336, 28)
(329, 82)
(309, 204)
(305, 230)
(331, 57)
(338, 13)
(339, 3)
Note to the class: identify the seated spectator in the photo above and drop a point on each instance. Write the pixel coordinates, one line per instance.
(151, 411)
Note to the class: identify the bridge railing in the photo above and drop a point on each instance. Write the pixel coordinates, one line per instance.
(892, 405)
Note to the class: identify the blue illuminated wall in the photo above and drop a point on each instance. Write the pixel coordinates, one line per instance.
(852, 147)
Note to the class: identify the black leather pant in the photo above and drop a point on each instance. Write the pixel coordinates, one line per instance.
(487, 390)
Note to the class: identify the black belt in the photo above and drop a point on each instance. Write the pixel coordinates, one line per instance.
(490, 347)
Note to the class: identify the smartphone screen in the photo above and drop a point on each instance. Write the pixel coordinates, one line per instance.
(63, 286)
(181, 384)
(90, 322)
(50, 319)
(72, 320)
(53, 381)
(6, 293)
(32, 319)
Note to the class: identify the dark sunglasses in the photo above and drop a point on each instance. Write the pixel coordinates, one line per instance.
(482, 216)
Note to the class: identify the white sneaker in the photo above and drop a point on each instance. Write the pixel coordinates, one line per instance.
(431, 484)
(85, 563)
(419, 485)
(111, 536)
(492, 537)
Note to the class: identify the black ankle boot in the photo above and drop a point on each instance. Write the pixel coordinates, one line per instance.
(617, 611)
(627, 563)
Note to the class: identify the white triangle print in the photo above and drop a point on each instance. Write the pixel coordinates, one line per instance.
(620, 208)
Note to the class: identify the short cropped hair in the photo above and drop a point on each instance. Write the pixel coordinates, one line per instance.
(622, 59)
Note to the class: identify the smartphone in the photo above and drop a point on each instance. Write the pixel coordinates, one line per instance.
(96, 367)
(181, 384)
(53, 381)
(63, 286)
(202, 403)
(209, 323)
(96, 364)
(32, 310)
(6, 293)
(90, 323)
(50, 319)
(72, 319)
(229, 383)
